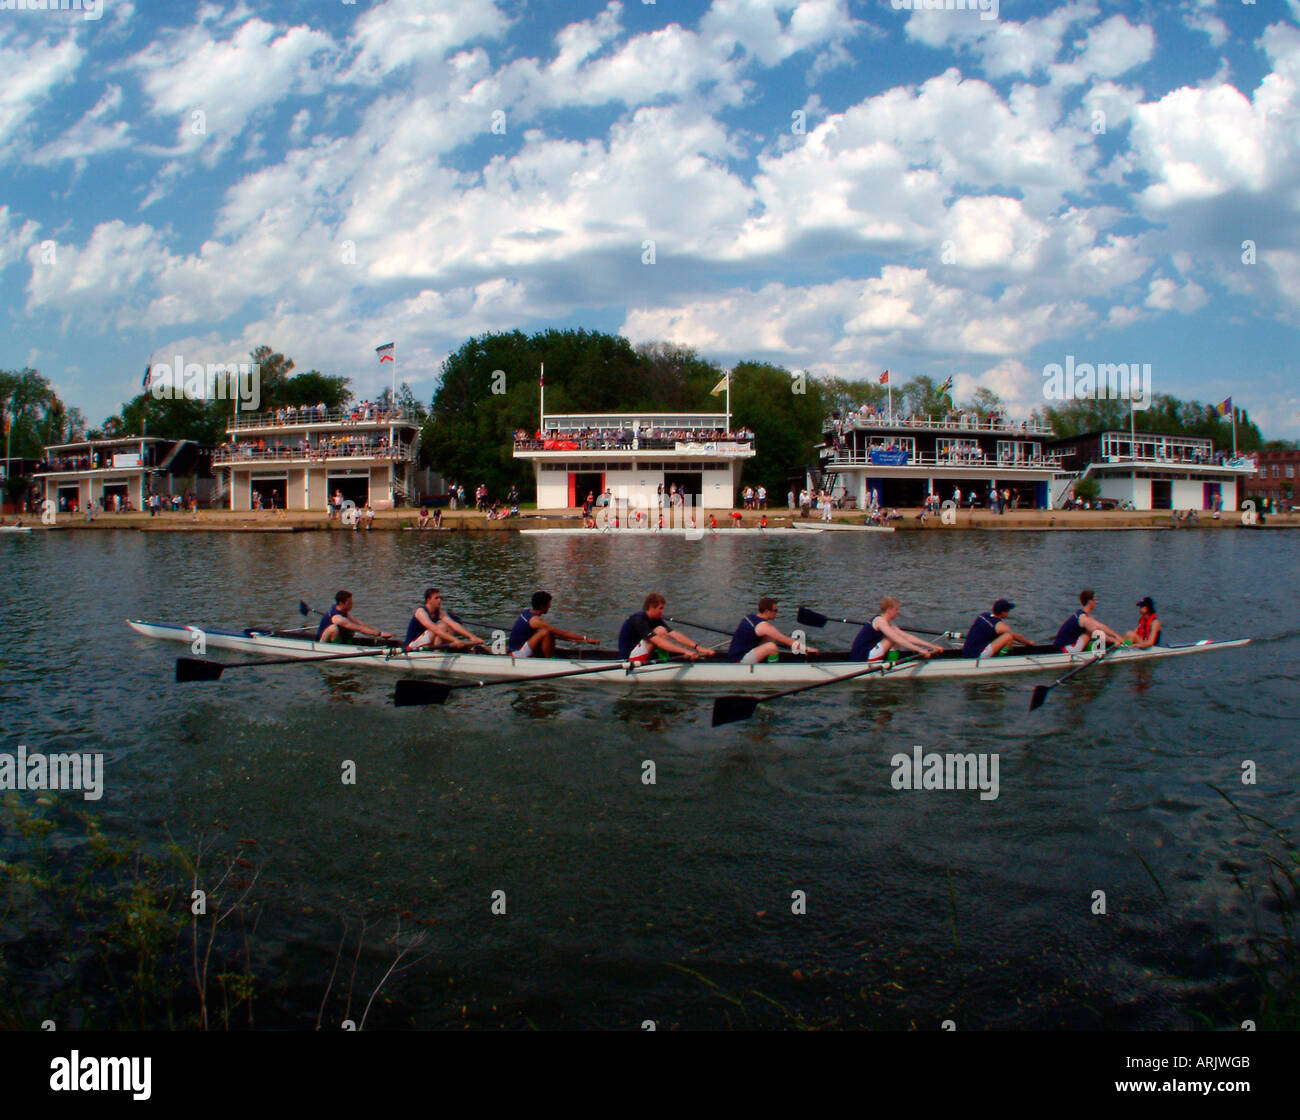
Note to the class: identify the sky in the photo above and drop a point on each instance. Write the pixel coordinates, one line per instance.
(836, 186)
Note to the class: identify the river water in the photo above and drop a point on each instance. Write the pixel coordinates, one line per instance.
(675, 902)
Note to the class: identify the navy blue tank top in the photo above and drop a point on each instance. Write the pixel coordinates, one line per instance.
(745, 638)
(520, 632)
(982, 631)
(867, 640)
(1070, 630)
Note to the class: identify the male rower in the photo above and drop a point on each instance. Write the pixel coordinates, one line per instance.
(644, 632)
(880, 636)
(1147, 633)
(1077, 630)
(533, 636)
(990, 634)
(338, 625)
(756, 639)
(432, 628)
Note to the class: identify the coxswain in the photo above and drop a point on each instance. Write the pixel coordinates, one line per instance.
(990, 634)
(1078, 630)
(1147, 633)
(338, 625)
(756, 639)
(644, 632)
(880, 636)
(432, 627)
(533, 636)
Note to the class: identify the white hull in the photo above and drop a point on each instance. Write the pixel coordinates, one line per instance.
(718, 672)
(15, 529)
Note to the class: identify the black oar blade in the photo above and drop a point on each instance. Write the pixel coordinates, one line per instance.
(732, 709)
(303, 608)
(1040, 696)
(805, 617)
(411, 694)
(197, 669)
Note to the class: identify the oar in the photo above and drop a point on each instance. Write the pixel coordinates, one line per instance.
(806, 617)
(699, 626)
(412, 693)
(731, 709)
(201, 669)
(1041, 690)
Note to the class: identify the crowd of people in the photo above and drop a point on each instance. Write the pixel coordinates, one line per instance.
(325, 447)
(615, 439)
(878, 416)
(363, 412)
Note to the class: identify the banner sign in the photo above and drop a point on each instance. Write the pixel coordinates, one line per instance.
(713, 448)
(131, 460)
(888, 458)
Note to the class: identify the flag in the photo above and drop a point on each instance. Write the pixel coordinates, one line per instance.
(1224, 408)
(385, 352)
(148, 377)
(884, 378)
(946, 386)
(721, 385)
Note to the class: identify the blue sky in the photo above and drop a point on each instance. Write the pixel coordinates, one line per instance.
(964, 195)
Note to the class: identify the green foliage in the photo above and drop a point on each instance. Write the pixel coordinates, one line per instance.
(1087, 489)
(310, 388)
(39, 418)
(786, 423)
(1167, 416)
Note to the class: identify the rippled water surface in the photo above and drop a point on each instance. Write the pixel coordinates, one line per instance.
(673, 901)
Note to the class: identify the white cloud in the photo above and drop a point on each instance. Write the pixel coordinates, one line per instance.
(90, 136)
(15, 239)
(32, 71)
(212, 87)
(1168, 295)
(398, 33)
(116, 263)
(757, 27)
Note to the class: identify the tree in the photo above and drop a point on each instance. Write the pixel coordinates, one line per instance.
(787, 424)
(986, 403)
(1087, 490)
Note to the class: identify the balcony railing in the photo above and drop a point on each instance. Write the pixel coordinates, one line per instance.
(639, 443)
(1193, 460)
(968, 423)
(312, 416)
(243, 453)
(838, 457)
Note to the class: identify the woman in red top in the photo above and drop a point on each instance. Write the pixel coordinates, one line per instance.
(1147, 633)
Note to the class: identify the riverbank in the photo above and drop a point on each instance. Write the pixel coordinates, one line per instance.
(468, 521)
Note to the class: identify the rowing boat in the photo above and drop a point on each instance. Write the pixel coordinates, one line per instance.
(789, 670)
(15, 528)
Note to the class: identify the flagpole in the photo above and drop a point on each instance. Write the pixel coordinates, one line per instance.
(728, 431)
(890, 386)
(541, 405)
(1234, 431)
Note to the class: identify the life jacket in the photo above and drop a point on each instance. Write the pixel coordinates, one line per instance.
(1144, 626)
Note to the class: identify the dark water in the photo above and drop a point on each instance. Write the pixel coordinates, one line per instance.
(673, 901)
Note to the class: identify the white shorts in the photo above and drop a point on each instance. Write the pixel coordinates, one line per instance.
(524, 650)
(752, 658)
(1079, 644)
(877, 652)
(642, 651)
(425, 639)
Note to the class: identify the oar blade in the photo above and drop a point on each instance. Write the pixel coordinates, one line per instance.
(303, 608)
(1039, 697)
(413, 694)
(805, 617)
(732, 709)
(197, 669)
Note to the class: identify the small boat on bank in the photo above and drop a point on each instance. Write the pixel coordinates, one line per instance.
(15, 528)
(788, 670)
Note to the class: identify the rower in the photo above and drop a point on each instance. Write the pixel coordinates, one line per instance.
(644, 632)
(1147, 633)
(431, 627)
(990, 634)
(756, 639)
(338, 625)
(880, 636)
(533, 636)
(1077, 630)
